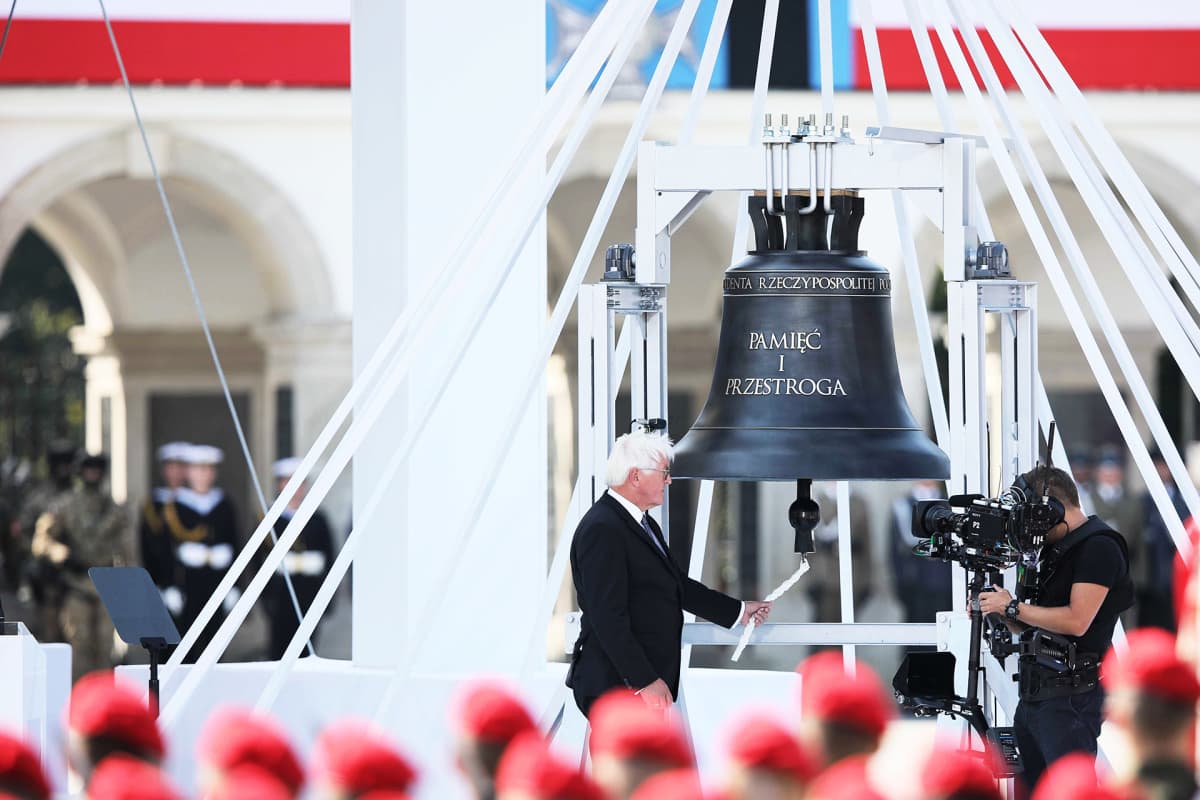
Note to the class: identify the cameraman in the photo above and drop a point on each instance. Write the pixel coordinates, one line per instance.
(1082, 586)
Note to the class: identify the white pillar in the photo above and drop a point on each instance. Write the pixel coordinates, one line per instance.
(437, 99)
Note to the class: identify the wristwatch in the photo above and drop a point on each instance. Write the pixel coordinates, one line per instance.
(1013, 609)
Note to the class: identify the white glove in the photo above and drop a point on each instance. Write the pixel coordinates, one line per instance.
(173, 599)
(231, 599)
(292, 563)
(220, 556)
(193, 554)
(312, 562)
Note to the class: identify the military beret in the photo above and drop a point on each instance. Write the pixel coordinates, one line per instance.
(102, 706)
(121, 777)
(234, 738)
(1151, 665)
(845, 780)
(352, 757)
(21, 768)
(959, 773)
(763, 743)
(676, 784)
(1073, 775)
(246, 781)
(625, 727)
(829, 694)
(528, 766)
(491, 713)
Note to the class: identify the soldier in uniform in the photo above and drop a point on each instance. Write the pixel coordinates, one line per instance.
(82, 530)
(307, 563)
(42, 577)
(153, 538)
(202, 523)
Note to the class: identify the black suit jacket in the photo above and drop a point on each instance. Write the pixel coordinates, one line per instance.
(633, 598)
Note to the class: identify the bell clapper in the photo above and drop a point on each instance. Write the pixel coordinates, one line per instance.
(804, 515)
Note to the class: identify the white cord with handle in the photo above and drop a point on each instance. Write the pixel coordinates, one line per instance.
(771, 598)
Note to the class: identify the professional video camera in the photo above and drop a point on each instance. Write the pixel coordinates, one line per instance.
(982, 533)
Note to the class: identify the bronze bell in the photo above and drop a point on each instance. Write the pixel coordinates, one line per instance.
(806, 384)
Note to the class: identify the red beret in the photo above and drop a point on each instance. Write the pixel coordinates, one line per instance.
(353, 757)
(625, 727)
(249, 780)
(103, 706)
(831, 695)
(845, 780)
(1151, 665)
(1073, 775)
(675, 784)
(122, 777)
(959, 773)
(21, 768)
(235, 737)
(491, 713)
(528, 766)
(763, 743)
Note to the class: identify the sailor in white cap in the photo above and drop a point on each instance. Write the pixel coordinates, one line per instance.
(307, 563)
(203, 527)
(156, 547)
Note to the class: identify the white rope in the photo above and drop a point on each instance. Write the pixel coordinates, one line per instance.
(908, 248)
(748, 629)
(362, 422)
(762, 78)
(574, 80)
(708, 60)
(1150, 216)
(1054, 271)
(1035, 92)
(197, 626)
(583, 258)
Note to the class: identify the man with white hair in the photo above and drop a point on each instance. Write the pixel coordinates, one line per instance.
(631, 591)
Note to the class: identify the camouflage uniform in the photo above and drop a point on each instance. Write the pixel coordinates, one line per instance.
(82, 530)
(43, 578)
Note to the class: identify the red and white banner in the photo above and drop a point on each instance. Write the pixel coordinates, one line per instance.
(1104, 44)
(251, 42)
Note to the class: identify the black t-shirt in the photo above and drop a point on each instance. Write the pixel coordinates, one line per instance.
(1098, 559)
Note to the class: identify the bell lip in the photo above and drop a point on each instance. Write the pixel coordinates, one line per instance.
(759, 455)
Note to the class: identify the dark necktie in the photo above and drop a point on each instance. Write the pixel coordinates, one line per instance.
(650, 532)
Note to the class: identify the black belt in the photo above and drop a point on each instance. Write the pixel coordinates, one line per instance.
(1038, 682)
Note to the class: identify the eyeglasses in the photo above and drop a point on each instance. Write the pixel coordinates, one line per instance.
(666, 471)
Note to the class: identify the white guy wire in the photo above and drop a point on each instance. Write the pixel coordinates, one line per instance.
(1075, 256)
(575, 77)
(187, 272)
(562, 308)
(825, 25)
(1167, 241)
(708, 60)
(908, 248)
(375, 405)
(762, 78)
(1054, 271)
(566, 300)
(941, 99)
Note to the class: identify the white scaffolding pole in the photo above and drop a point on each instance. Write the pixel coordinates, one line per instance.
(542, 130)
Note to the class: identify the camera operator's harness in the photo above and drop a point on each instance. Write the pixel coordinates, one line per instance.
(1051, 665)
